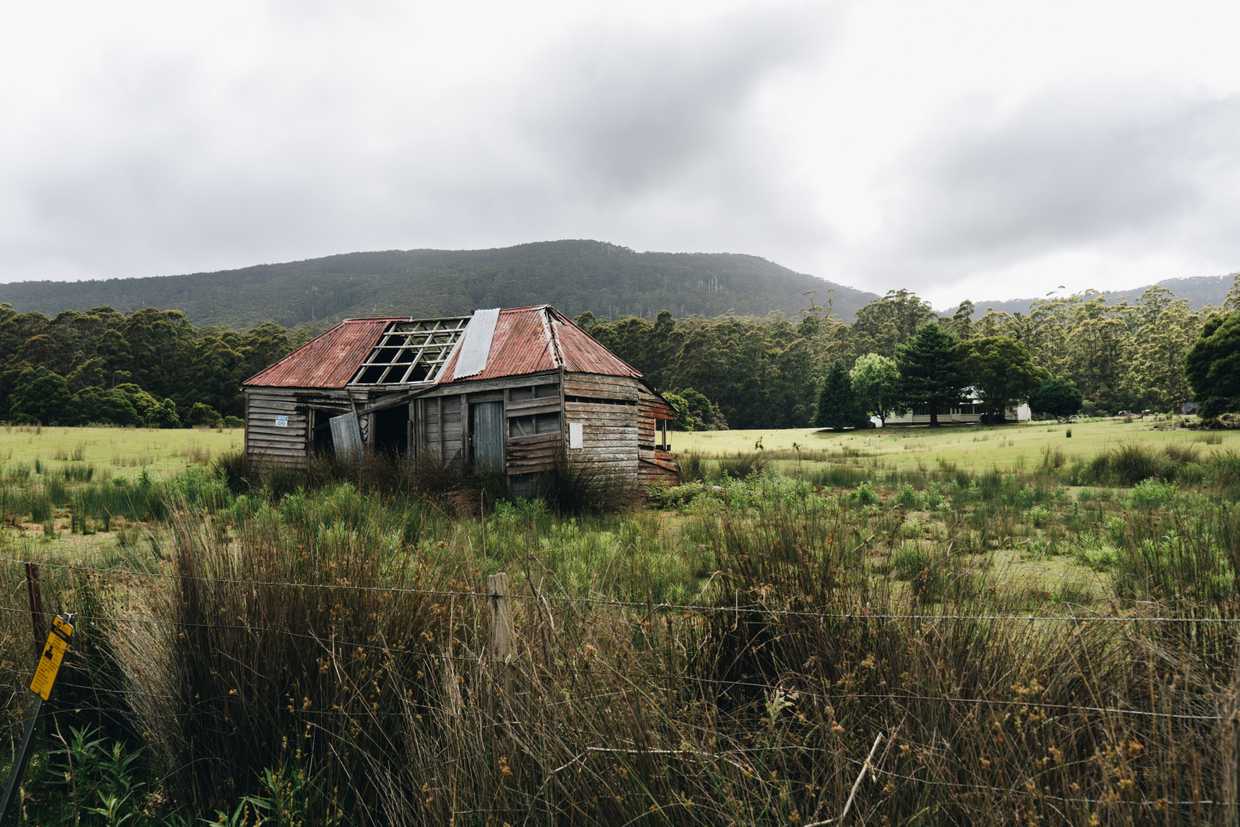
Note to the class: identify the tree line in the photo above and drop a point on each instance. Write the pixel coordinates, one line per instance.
(1065, 354)
(149, 367)
(156, 368)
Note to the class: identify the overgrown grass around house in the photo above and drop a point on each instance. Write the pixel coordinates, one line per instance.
(1052, 643)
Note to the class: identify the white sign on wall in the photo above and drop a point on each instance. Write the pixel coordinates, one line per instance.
(576, 436)
(281, 421)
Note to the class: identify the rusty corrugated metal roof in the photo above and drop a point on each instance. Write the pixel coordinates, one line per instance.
(519, 345)
(527, 340)
(539, 339)
(581, 352)
(329, 360)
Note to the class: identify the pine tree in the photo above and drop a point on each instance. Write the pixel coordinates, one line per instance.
(838, 407)
(1214, 366)
(931, 374)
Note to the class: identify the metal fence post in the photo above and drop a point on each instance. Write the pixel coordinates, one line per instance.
(46, 669)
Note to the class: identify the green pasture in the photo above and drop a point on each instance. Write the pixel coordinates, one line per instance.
(123, 452)
(972, 447)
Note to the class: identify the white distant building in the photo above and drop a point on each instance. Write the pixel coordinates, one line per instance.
(967, 412)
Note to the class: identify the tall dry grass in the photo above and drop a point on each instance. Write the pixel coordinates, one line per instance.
(340, 637)
(372, 681)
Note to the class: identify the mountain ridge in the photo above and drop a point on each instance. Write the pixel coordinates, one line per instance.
(575, 275)
(1200, 291)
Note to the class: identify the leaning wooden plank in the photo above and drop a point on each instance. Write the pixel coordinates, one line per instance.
(536, 439)
(531, 406)
(346, 436)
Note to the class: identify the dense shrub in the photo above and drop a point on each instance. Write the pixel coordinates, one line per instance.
(742, 466)
(1128, 465)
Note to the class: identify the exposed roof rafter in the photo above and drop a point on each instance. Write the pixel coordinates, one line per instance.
(411, 352)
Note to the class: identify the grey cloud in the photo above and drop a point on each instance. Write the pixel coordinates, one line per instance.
(633, 109)
(189, 169)
(331, 128)
(1069, 169)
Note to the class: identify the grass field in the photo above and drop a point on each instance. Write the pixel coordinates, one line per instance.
(1040, 625)
(975, 448)
(127, 451)
(123, 451)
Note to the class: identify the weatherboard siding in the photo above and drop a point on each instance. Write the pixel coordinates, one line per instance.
(266, 441)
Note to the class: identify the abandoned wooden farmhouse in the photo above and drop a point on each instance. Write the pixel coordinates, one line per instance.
(512, 392)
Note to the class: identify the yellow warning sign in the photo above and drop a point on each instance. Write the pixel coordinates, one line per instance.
(49, 661)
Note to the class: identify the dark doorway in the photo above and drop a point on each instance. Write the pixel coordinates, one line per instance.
(392, 431)
(321, 439)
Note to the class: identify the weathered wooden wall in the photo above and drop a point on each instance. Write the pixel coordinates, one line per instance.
(437, 426)
(264, 440)
(607, 407)
(655, 467)
(441, 421)
(618, 416)
(533, 453)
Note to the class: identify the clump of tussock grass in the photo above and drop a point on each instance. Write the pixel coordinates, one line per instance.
(574, 490)
(742, 466)
(77, 473)
(866, 659)
(692, 467)
(331, 659)
(1184, 556)
(1130, 464)
(75, 454)
(837, 476)
(196, 454)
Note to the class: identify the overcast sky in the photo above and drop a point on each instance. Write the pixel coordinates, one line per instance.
(989, 150)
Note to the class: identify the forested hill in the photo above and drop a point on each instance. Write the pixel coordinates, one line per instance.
(575, 276)
(1199, 291)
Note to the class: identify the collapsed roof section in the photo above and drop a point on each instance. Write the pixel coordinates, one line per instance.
(411, 352)
(390, 353)
(328, 361)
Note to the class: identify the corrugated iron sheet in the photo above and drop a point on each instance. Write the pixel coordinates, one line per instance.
(476, 342)
(326, 361)
(581, 353)
(538, 339)
(526, 340)
(519, 345)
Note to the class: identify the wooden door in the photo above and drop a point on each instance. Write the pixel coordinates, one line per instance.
(486, 436)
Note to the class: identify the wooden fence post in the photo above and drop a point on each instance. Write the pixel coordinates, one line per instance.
(500, 646)
(35, 596)
(451, 680)
(501, 618)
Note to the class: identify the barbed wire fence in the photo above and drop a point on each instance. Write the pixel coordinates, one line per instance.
(502, 641)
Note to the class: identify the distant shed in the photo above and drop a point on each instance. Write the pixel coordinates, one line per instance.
(514, 391)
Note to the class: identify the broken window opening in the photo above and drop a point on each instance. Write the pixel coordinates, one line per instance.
(533, 425)
(411, 352)
(534, 392)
